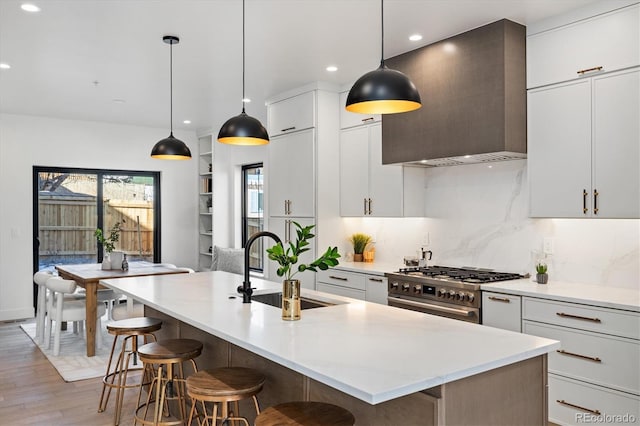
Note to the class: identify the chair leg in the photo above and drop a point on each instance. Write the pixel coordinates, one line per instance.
(56, 339)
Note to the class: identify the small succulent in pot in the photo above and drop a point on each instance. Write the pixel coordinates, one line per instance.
(541, 273)
(360, 242)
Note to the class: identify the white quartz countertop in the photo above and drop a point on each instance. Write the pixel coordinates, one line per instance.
(370, 351)
(373, 268)
(586, 294)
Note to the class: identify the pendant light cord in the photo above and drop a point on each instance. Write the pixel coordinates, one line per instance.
(171, 84)
(381, 33)
(243, 98)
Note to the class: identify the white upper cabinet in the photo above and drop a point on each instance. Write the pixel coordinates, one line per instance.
(352, 119)
(292, 114)
(367, 188)
(603, 43)
(584, 146)
(616, 145)
(291, 175)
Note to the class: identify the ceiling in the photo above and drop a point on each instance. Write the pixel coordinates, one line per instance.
(104, 60)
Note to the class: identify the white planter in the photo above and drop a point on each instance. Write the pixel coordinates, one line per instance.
(116, 259)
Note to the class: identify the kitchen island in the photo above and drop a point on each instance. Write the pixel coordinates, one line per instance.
(386, 365)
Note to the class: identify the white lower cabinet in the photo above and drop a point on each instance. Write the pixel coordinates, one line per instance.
(362, 286)
(501, 311)
(573, 402)
(595, 376)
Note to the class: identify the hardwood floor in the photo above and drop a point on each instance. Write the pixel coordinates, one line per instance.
(33, 393)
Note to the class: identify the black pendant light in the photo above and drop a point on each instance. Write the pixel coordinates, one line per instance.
(171, 148)
(383, 91)
(243, 129)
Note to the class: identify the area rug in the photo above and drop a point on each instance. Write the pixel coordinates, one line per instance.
(72, 363)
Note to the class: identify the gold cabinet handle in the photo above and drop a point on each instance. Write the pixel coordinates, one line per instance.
(568, 404)
(338, 278)
(562, 314)
(288, 128)
(365, 206)
(289, 206)
(595, 201)
(369, 206)
(590, 358)
(582, 72)
(584, 201)
(500, 299)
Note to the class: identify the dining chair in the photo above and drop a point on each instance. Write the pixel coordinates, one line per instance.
(60, 310)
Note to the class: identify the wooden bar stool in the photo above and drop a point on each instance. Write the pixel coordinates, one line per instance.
(223, 386)
(305, 413)
(167, 385)
(130, 329)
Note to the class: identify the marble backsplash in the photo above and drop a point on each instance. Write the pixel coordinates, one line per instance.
(477, 215)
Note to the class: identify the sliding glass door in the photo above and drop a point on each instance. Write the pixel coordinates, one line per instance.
(70, 204)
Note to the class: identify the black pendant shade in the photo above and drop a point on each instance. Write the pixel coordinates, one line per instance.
(243, 129)
(383, 91)
(171, 148)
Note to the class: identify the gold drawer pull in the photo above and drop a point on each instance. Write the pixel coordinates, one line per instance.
(595, 201)
(584, 201)
(500, 299)
(568, 404)
(338, 278)
(378, 280)
(562, 314)
(582, 72)
(590, 358)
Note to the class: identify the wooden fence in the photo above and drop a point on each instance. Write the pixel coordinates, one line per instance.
(67, 224)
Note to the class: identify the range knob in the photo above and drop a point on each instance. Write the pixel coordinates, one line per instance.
(470, 297)
(405, 287)
(461, 296)
(417, 289)
(451, 294)
(441, 292)
(394, 285)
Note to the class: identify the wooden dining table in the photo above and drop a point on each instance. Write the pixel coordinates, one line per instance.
(88, 275)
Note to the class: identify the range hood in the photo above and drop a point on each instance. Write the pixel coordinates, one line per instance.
(473, 89)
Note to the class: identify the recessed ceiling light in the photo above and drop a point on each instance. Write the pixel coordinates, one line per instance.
(187, 121)
(415, 37)
(467, 156)
(332, 68)
(28, 7)
(423, 161)
(246, 100)
(4, 66)
(118, 101)
(449, 47)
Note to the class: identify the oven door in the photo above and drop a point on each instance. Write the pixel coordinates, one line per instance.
(448, 310)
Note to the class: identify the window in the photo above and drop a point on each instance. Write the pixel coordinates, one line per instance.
(69, 204)
(253, 211)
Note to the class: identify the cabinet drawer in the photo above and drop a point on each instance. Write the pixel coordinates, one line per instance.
(342, 279)
(558, 54)
(351, 119)
(291, 115)
(501, 311)
(341, 291)
(576, 403)
(601, 320)
(600, 359)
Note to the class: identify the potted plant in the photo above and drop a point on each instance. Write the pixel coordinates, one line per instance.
(360, 243)
(287, 260)
(109, 244)
(541, 273)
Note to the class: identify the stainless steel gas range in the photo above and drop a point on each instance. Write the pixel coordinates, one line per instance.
(444, 291)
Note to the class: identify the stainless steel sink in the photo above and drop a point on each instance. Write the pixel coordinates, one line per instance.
(275, 299)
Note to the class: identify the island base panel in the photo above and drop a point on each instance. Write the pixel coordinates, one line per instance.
(512, 395)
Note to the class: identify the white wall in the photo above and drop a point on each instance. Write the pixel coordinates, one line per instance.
(26, 141)
(477, 215)
(227, 166)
